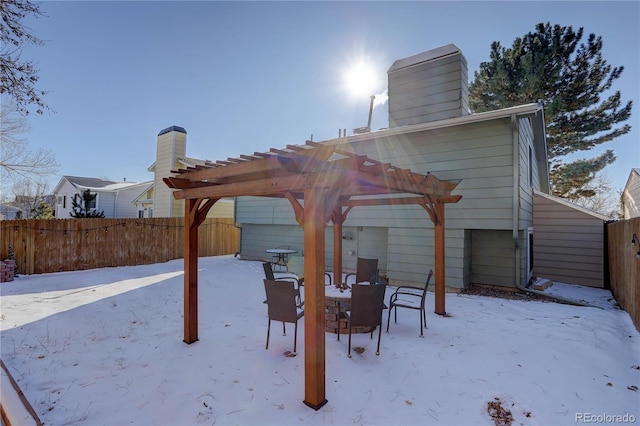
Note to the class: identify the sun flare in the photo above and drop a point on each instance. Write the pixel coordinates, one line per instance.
(361, 79)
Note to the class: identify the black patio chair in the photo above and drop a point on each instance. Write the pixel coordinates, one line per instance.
(365, 310)
(410, 297)
(281, 306)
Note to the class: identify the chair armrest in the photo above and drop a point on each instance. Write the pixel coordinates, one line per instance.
(346, 277)
(279, 275)
(405, 290)
(409, 290)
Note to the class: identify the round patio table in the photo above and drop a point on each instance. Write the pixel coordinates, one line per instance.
(282, 255)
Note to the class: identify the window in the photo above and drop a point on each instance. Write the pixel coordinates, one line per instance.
(140, 214)
(64, 201)
(150, 212)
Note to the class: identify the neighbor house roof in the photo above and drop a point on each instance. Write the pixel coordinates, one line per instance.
(96, 184)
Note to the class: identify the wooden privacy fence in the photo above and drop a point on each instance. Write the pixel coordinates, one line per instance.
(624, 265)
(42, 246)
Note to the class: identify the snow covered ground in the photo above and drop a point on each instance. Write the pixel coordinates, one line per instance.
(104, 347)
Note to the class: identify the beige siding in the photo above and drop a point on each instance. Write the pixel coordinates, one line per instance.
(568, 244)
(222, 208)
(631, 196)
(170, 147)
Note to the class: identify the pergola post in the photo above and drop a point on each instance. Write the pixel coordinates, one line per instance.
(337, 246)
(439, 258)
(190, 271)
(314, 309)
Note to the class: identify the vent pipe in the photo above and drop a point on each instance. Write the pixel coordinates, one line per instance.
(368, 128)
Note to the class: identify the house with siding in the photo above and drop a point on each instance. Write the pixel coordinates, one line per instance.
(115, 199)
(500, 157)
(631, 195)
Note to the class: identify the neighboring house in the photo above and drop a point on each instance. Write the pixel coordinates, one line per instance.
(500, 157)
(115, 199)
(9, 212)
(144, 202)
(631, 195)
(23, 206)
(171, 155)
(568, 241)
(145, 199)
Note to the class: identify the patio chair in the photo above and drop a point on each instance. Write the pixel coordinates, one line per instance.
(271, 275)
(367, 303)
(410, 297)
(366, 271)
(281, 304)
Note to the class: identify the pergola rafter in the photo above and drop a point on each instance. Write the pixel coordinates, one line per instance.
(323, 183)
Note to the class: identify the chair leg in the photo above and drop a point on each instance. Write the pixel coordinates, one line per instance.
(421, 322)
(295, 337)
(349, 352)
(379, 334)
(268, 329)
(284, 330)
(389, 316)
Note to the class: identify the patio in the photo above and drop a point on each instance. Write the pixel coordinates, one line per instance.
(104, 347)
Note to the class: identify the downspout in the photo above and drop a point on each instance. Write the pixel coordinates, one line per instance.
(515, 136)
(115, 204)
(235, 224)
(516, 221)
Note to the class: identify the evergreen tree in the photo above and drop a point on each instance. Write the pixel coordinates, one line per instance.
(81, 205)
(553, 66)
(43, 211)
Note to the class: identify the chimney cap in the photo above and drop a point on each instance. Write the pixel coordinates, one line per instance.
(173, 129)
(429, 55)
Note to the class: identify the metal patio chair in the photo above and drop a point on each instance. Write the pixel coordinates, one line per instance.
(410, 297)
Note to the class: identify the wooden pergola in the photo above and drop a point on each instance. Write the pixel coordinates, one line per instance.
(323, 182)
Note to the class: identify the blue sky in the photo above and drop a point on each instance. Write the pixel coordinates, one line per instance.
(242, 77)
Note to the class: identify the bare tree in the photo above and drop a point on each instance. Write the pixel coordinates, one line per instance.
(29, 195)
(605, 200)
(18, 77)
(17, 161)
